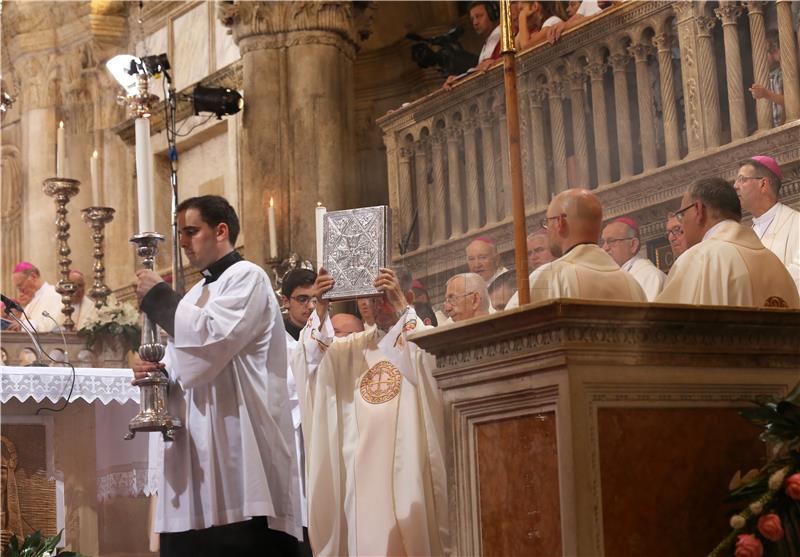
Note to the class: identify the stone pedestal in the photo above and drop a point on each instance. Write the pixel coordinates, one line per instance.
(577, 428)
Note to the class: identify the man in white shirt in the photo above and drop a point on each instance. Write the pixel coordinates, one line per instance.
(38, 297)
(483, 259)
(485, 21)
(726, 264)
(621, 241)
(776, 225)
(228, 484)
(587, 9)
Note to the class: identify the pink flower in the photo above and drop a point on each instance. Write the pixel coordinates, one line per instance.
(793, 486)
(748, 545)
(770, 527)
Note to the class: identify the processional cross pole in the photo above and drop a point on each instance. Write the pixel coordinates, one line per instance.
(515, 155)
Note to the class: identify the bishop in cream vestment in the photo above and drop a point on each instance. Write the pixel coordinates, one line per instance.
(374, 436)
(45, 299)
(730, 267)
(782, 237)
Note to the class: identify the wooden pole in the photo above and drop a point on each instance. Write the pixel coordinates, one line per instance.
(515, 155)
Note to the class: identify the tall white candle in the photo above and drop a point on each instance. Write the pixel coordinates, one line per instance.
(319, 213)
(61, 149)
(95, 172)
(144, 176)
(273, 237)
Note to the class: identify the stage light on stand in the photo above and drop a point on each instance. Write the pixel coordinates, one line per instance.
(217, 100)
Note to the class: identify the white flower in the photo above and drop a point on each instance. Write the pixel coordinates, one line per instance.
(738, 522)
(776, 479)
(756, 507)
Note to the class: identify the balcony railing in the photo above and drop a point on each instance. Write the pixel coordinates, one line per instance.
(630, 95)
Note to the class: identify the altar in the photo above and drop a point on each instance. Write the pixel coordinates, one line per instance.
(71, 468)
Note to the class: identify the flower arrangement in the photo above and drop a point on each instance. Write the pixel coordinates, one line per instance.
(119, 320)
(770, 523)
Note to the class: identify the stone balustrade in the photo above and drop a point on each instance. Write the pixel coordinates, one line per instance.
(635, 103)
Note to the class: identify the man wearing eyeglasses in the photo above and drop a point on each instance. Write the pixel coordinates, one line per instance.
(621, 241)
(466, 297)
(725, 264)
(675, 236)
(777, 226)
(583, 269)
(373, 425)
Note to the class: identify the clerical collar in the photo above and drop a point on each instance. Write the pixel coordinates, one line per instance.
(291, 328)
(215, 270)
(578, 244)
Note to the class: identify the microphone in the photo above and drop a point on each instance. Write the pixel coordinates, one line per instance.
(60, 329)
(39, 361)
(10, 304)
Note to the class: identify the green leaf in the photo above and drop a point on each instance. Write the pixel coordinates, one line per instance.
(761, 415)
(33, 540)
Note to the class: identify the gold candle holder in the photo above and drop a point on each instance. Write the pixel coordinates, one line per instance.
(62, 190)
(97, 218)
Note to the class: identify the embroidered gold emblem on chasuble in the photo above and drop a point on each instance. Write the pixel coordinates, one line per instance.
(381, 383)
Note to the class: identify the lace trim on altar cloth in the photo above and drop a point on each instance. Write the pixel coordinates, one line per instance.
(127, 481)
(91, 384)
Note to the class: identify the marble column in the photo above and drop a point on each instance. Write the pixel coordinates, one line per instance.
(471, 176)
(728, 13)
(708, 81)
(454, 181)
(647, 132)
(758, 43)
(791, 79)
(576, 81)
(423, 195)
(488, 119)
(555, 92)
(540, 186)
(619, 63)
(297, 141)
(406, 199)
(595, 70)
(504, 161)
(439, 188)
(663, 43)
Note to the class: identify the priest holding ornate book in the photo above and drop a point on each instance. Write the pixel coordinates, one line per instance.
(374, 431)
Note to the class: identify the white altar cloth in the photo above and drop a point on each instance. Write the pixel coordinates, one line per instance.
(53, 383)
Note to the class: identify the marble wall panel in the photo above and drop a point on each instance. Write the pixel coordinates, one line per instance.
(518, 486)
(201, 168)
(225, 49)
(643, 463)
(190, 39)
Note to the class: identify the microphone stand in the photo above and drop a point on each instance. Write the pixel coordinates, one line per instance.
(39, 361)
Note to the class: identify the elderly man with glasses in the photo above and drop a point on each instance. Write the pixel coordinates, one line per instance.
(466, 297)
(777, 226)
(725, 264)
(583, 269)
(621, 241)
(675, 236)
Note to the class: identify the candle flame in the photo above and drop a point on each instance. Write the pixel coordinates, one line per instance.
(94, 155)
(61, 124)
(271, 203)
(319, 204)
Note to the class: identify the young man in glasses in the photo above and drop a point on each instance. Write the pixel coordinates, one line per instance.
(725, 264)
(777, 226)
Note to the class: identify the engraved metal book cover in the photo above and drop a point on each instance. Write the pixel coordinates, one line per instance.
(355, 243)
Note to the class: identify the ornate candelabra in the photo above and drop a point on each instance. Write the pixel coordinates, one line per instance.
(62, 189)
(97, 218)
(153, 415)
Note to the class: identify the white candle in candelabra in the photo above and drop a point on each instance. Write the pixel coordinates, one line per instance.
(319, 213)
(95, 173)
(61, 147)
(273, 237)
(144, 176)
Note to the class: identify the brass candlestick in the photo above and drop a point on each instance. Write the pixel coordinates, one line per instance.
(97, 217)
(62, 189)
(153, 415)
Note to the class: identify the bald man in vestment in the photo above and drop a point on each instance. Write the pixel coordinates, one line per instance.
(621, 241)
(582, 270)
(776, 225)
(726, 264)
(41, 297)
(374, 431)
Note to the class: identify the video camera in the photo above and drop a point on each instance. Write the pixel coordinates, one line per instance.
(449, 57)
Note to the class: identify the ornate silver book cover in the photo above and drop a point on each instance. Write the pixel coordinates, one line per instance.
(355, 243)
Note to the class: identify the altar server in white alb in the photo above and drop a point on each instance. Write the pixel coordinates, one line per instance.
(621, 241)
(227, 486)
(725, 264)
(758, 186)
(374, 432)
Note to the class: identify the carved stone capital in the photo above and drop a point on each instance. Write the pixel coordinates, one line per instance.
(640, 51)
(756, 7)
(728, 13)
(405, 154)
(596, 70)
(537, 96)
(420, 147)
(259, 25)
(619, 61)
(663, 42)
(453, 133)
(555, 89)
(576, 80)
(705, 24)
(39, 80)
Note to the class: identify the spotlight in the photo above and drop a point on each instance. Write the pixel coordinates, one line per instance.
(218, 100)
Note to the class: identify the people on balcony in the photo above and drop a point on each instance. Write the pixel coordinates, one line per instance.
(582, 270)
(773, 90)
(726, 264)
(466, 297)
(675, 236)
(544, 15)
(485, 18)
(587, 9)
(758, 186)
(621, 241)
(483, 259)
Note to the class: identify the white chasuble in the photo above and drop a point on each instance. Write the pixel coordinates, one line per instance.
(782, 238)
(235, 456)
(45, 299)
(374, 434)
(730, 268)
(649, 277)
(586, 272)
